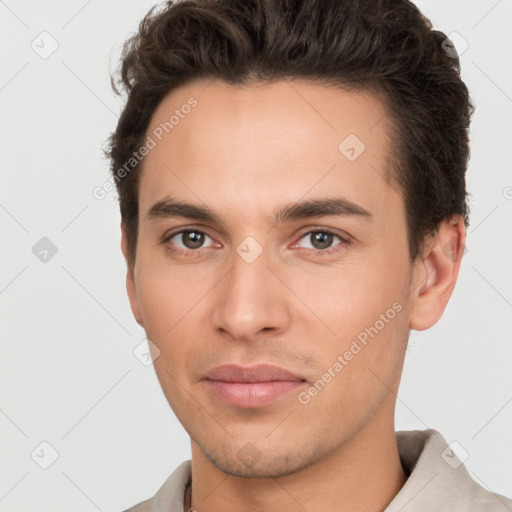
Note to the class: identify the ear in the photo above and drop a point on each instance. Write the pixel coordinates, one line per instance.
(130, 278)
(435, 274)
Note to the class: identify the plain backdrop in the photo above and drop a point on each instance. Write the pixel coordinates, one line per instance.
(73, 395)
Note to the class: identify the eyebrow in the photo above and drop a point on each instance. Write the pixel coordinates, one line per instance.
(338, 206)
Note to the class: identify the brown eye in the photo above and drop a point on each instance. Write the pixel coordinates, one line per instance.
(189, 239)
(320, 240)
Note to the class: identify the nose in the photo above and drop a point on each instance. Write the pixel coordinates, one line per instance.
(251, 300)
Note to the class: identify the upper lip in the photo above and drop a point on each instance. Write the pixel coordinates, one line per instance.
(256, 373)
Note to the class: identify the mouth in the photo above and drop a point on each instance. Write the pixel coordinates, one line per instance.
(251, 387)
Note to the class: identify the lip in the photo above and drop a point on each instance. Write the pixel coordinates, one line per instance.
(255, 373)
(251, 387)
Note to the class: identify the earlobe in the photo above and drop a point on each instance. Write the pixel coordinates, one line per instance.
(435, 274)
(130, 279)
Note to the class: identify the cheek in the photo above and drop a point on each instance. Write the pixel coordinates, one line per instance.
(361, 325)
(167, 296)
(170, 300)
(345, 299)
(358, 373)
(168, 319)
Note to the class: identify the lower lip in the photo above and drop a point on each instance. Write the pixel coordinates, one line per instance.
(251, 394)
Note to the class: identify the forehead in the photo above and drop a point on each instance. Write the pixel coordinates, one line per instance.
(267, 144)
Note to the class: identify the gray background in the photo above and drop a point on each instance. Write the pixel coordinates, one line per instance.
(68, 374)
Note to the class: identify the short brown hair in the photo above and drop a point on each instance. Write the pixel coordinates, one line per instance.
(385, 46)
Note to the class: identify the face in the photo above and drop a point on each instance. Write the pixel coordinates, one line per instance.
(247, 274)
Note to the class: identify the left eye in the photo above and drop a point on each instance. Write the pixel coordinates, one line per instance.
(190, 239)
(320, 240)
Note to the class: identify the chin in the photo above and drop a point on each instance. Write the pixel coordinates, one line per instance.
(251, 462)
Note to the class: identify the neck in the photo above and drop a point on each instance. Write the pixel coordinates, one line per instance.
(365, 473)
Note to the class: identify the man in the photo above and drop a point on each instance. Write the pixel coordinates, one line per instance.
(293, 202)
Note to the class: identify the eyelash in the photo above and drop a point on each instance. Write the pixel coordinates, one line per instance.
(320, 252)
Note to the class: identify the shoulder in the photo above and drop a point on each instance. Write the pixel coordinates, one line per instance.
(144, 506)
(438, 479)
(170, 496)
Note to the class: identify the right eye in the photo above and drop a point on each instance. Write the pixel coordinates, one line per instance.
(187, 241)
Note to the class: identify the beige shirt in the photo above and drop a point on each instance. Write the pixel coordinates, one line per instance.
(437, 482)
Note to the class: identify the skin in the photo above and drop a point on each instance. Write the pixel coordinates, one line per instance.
(243, 153)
